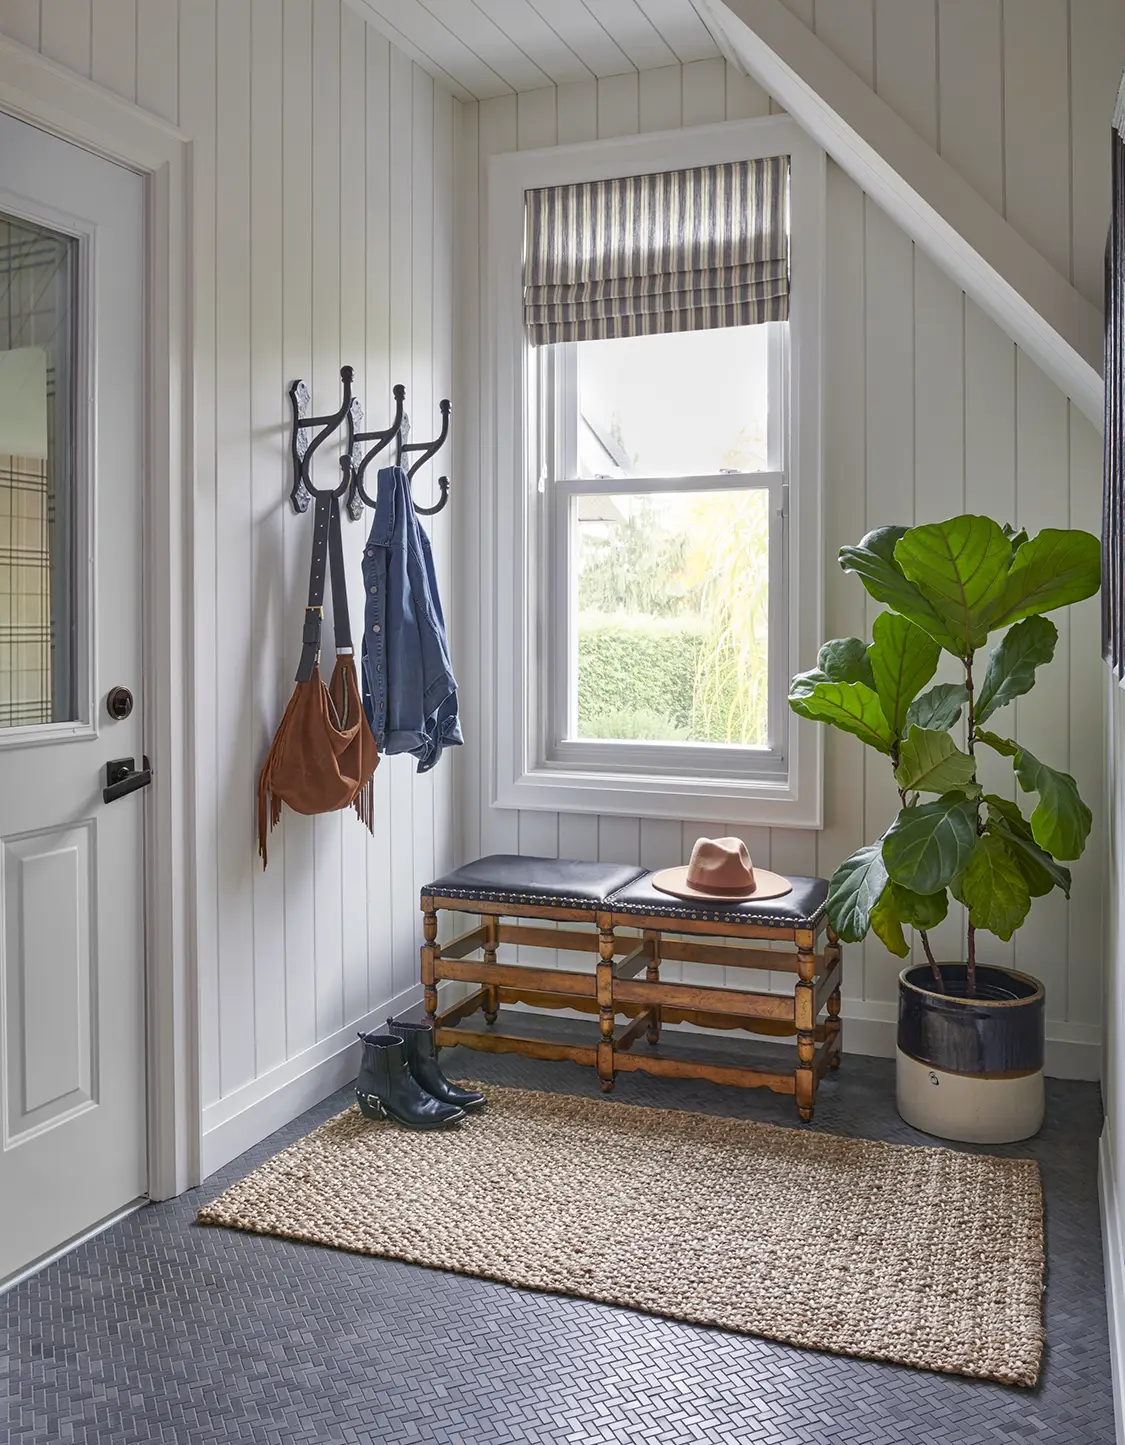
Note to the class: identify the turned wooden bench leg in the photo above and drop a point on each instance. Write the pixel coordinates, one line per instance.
(805, 1019)
(652, 975)
(491, 990)
(605, 1003)
(429, 957)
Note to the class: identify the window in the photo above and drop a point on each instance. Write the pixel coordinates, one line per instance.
(662, 492)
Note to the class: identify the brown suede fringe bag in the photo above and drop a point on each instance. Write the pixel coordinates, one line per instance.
(324, 753)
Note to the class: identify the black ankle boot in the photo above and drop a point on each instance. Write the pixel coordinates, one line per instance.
(421, 1060)
(386, 1089)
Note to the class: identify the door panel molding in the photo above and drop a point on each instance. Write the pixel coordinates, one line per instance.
(54, 99)
(48, 977)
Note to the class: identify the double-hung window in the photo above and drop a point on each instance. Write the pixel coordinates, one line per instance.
(656, 511)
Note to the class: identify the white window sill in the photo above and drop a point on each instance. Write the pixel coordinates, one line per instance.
(718, 800)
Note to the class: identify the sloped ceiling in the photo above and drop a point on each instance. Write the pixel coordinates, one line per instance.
(483, 48)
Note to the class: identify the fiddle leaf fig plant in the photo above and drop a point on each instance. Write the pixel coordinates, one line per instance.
(948, 587)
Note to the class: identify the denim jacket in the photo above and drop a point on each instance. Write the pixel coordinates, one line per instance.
(409, 691)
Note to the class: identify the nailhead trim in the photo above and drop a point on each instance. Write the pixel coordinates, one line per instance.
(492, 895)
(718, 915)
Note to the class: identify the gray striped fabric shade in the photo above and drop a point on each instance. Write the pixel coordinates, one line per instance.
(678, 251)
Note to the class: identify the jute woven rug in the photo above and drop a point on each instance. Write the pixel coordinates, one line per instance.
(926, 1257)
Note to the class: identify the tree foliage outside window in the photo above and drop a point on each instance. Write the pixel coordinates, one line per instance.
(667, 585)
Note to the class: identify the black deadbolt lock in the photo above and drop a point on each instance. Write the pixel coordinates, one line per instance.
(119, 702)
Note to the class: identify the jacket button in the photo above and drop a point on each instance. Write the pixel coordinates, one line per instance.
(374, 588)
(376, 628)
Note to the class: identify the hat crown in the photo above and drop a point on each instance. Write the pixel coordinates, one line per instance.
(721, 863)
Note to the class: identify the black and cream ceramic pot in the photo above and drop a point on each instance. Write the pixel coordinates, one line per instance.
(971, 1069)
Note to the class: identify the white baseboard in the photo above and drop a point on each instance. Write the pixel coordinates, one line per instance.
(242, 1119)
(1112, 1239)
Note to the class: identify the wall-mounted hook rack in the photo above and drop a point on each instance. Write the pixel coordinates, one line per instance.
(355, 460)
(302, 447)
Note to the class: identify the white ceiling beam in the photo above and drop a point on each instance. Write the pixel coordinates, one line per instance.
(1006, 277)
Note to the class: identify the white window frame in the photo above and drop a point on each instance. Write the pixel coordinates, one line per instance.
(528, 767)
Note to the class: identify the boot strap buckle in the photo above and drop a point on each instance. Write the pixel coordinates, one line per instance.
(373, 1102)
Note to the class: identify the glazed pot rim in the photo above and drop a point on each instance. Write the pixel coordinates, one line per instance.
(1036, 996)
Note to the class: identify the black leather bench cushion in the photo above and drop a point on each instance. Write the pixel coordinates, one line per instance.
(546, 882)
(803, 908)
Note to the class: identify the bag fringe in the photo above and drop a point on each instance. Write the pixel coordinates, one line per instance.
(364, 804)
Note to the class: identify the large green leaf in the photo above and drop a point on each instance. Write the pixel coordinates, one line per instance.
(1012, 663)
(850, 706)
(939, 708)
(960, 566)
(1041, 870)
(844, 659)
(873, 562)
(898, 906)
(1051, 570)
(903, 658)
(931, 762)
(1061, 821)
(888, 925)
(853, 891)
(928, 845)
(920, 910)
(994, 887)
(1005, 746)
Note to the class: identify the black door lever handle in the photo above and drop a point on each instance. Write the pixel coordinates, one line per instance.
(121, 778)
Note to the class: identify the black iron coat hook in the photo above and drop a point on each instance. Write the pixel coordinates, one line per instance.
(382, 439)
(302, 448)
(429, 449)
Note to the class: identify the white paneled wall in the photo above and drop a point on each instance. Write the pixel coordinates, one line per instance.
(323, 196)
(930, 411)
(1015, 94)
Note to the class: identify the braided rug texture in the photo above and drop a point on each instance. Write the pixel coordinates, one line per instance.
(925, 1257)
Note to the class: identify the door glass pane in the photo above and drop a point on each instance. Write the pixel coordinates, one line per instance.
(681, 404)
(38, 275)
(672, 613)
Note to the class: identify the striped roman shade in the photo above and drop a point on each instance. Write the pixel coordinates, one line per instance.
(679, 251)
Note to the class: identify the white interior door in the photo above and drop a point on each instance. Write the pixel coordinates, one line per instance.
(72, 1065)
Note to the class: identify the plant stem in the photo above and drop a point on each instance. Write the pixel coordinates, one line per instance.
(971, 978)
(924, 936)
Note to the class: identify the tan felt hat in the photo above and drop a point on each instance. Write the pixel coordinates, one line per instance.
(721, 872)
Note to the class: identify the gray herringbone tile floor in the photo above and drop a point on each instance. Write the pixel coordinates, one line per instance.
(163, 1331)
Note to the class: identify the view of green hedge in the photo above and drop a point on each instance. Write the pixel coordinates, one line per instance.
(644, 667)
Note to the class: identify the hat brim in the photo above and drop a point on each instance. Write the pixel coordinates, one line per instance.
(766, 885)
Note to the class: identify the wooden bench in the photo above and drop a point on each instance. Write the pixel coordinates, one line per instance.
(593, 901)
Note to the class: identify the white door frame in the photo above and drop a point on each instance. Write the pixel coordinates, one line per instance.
(54, 99)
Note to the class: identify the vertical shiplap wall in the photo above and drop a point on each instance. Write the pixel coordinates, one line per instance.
(929, 411)
(323, 204)
(1015, 94)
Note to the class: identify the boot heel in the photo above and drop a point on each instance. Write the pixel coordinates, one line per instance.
(370, 1106)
